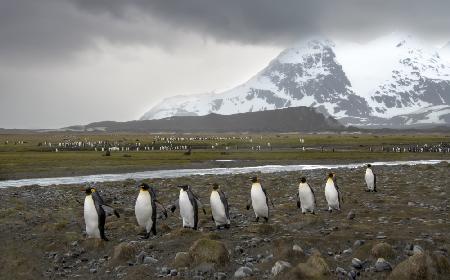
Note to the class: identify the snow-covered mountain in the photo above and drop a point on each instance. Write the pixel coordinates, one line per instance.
(392, 81)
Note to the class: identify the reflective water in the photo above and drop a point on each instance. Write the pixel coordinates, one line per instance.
(189, 172)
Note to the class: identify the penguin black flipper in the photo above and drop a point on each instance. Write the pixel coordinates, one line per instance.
(193, 200)
(298, 200)
(374, 182)
(101, 215)
(224, 200)
(267, 197)
(199, 203)
(314, 195)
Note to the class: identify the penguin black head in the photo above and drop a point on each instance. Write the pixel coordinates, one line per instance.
(144, 186)
(184, 187)
(215, 186)
(89, 190)
(303, 180)
(369, 165)
(330, 175)
(254, 179)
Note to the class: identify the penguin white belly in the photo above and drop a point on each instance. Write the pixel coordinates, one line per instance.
(259, 202)
(218, 209)
(370, 179)
(186, 210)
(91, 217)
(143, 210)
(306, 198)
(331, 196)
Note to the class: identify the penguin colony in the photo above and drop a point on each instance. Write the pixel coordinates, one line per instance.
(147, 204)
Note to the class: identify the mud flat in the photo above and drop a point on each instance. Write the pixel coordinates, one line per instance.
(401, 232)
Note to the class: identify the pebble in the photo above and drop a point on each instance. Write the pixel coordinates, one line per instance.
(93, 270)
(297, 248)
(359, 242)
(382, 265)
(348, 251)
(417, 249)
(165, 270)
(243, 271)
(351, 215)
(340, 270)
(221, 276)
(173, 272)
(280, 266)
(357, 263)
(140, 257)
(150, 260)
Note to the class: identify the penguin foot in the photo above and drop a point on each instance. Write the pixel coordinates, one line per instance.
(227, 226)
(314, 213)
(329, 210)
(304, 213)
(266, 219)
(257, 219)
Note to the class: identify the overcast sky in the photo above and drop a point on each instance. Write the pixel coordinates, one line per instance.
(65, 62)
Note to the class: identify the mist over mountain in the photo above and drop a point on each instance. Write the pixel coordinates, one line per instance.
(393, 81)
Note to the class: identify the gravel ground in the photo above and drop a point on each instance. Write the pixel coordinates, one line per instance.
(407, 221)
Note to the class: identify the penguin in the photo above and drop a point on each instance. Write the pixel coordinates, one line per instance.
(259, 200)
(145, 209)
(371, 179)
(219, 207)
(332, 193)
(95, 212)
(188, 203)
(306, 197)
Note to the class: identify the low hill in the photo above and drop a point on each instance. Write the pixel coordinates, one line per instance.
(281, 120)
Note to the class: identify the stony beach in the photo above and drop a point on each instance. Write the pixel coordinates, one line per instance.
(400, 232)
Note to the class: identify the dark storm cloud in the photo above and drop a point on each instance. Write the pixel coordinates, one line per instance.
(45, 29)
(279, 22)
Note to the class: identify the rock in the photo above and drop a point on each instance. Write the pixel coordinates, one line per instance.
(182, 259)
(198, 277)
(352, 274)
(204, 268)
(351, 215)
(280, 266)
(410, 203)
(140, 257)
(165, 270)
(417, 249)
(267, 259)
(173, 272)
(297, 248)
(92, 270)
(221, 276)
(124, 252)
(206, 250)
(418, 266)
(357, 263)
(382, 265)
(238, 250)
(348, 251)
(314, 268)
(150, 260)
(243, 271)
(359, 242)
(340, 270)
(382, 250)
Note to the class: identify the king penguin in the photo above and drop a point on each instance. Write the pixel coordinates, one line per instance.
(145, 209)
(306, 198)
(189, 204)
(259, 200)
(371, 179)
(95, 211)
(332, 193)
(219, 207)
